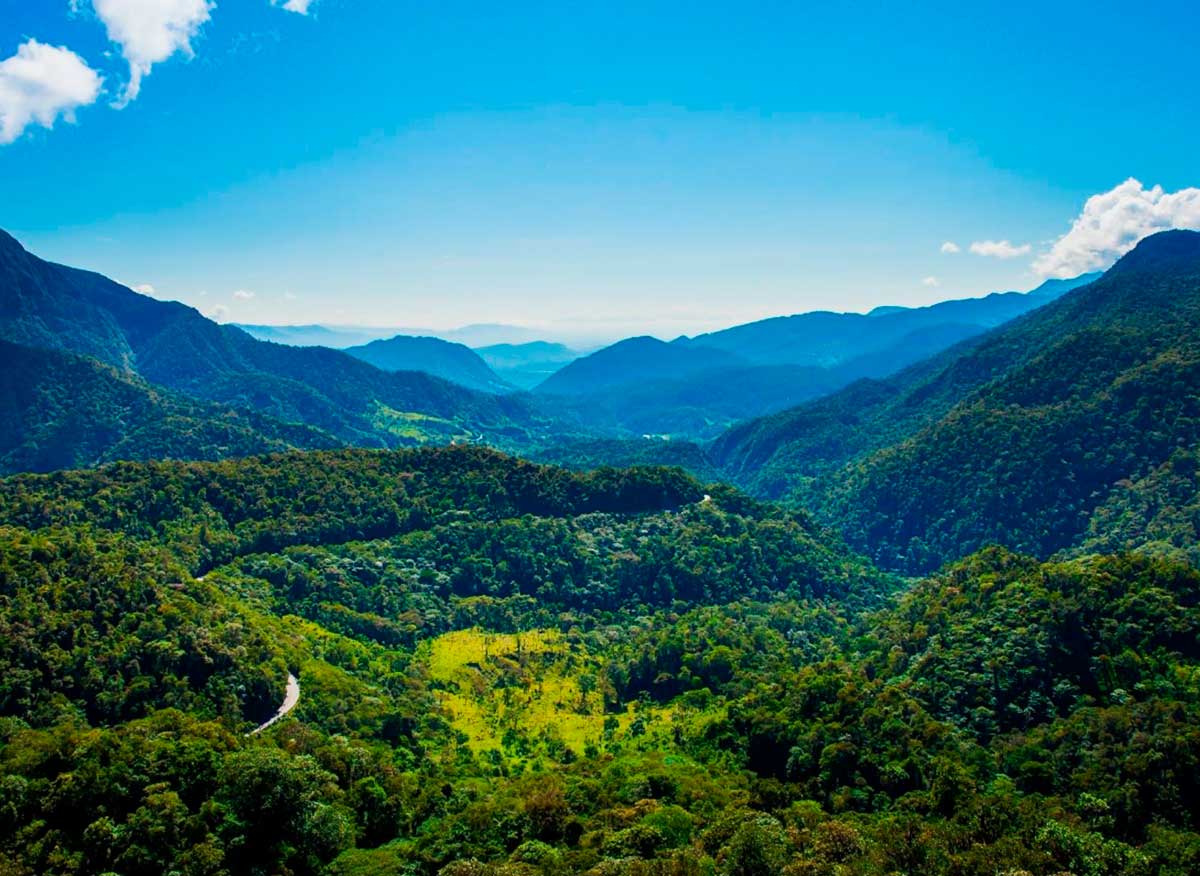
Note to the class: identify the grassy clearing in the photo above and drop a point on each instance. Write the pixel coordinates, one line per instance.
(518, 692)
(414, 426)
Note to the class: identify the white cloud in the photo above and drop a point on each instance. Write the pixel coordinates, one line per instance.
(950, 247)
(931, 282)
(243, 295)
(300, 6)
(150, 31)
(39, 84)
(144, 288)
(999, 249)
(220, 313)
(1112, 223)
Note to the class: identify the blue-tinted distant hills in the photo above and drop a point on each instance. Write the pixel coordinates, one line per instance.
(454, 362)
(342, 336)
(697, 387)
(828, 339)
(337, 337)
(634, 360)
(526, 365)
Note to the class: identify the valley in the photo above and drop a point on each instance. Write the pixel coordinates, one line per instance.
(579, 441)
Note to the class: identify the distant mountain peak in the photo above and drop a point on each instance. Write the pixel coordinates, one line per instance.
(446, 359)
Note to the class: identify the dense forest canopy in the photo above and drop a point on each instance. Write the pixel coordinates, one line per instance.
(510, 668)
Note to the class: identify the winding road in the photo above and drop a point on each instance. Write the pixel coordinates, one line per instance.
(289, 702)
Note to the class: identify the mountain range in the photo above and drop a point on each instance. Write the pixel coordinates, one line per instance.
(1092, 386)
(1018, 436)
(171, 346)
(342, 336)
(332, 661)
(405, 389)
(695, 388)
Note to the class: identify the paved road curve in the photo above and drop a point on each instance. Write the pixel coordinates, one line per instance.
(289, 702)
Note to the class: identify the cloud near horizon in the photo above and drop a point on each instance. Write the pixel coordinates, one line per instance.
(1114, 222)
(40, 84)
(999, 249)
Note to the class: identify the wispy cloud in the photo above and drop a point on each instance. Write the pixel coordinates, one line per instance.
(950, 247)
(144, 288)
(1111, 223)
(298, 6)
(40, 84)
(243, 294)
(932, 282)
(149, 32)
(999, 249)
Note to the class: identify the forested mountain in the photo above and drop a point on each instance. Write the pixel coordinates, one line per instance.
(527, 365)
(775, 454)
(60, 410)
(913, 591)
(453, 362)
(173, 346)
(588, 454)
(209, 512)
(1157, 514)
(632, 361)
(1014, 438)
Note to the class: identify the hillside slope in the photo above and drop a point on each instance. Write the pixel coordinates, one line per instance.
(59, 410)
(1157, 514)
(1017, 437)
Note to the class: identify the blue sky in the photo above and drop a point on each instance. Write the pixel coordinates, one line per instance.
(593, 168)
